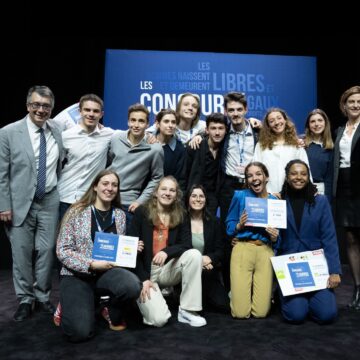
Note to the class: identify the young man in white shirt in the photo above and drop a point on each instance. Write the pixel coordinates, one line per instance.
(86, 148)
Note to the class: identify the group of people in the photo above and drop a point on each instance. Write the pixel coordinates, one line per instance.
(77, 176)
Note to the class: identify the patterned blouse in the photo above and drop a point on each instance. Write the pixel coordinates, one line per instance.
(74, 244)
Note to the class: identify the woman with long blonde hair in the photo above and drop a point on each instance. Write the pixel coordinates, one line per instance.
(167, 259)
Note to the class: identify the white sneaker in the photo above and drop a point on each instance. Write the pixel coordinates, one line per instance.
(190, 317)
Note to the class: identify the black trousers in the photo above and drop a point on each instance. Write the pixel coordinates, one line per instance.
(77, 298)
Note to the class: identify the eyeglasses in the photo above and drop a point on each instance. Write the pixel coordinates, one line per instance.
(37, 106)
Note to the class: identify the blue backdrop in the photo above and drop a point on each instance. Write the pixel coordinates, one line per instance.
(157, 78)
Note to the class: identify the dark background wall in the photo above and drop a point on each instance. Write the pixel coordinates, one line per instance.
(73, 66)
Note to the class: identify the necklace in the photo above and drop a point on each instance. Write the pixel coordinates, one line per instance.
(160, 235)
(163, 218)
(102, 213)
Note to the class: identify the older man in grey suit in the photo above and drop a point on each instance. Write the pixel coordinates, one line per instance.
(29, 166)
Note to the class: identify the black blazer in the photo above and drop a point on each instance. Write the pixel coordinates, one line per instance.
(214, 245)
(354, 161)
(179, 241)
(194, 166)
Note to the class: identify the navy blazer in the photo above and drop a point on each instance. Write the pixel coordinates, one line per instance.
(213, 242)
(179, 241)
(317, 231)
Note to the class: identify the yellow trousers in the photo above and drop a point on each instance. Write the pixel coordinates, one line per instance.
(251, 278)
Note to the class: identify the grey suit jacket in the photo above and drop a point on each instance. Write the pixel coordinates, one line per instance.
(355, 160)
(18, 175)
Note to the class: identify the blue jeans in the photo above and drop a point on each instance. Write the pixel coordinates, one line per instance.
(77, 298)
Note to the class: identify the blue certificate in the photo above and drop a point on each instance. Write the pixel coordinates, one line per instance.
(301, 275)
(257, 211)
(266, 212)
(119, 249)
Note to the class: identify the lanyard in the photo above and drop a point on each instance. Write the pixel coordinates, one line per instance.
(97, 222)
(241, 147)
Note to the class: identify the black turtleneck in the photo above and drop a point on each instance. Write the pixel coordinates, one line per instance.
(297, 202)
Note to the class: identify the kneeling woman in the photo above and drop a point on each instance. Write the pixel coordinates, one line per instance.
(167, 258)
(310, 226)
(81, 276)
(251, 272)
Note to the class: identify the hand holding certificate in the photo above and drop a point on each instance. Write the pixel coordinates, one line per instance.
(265, 212)
(119, 249)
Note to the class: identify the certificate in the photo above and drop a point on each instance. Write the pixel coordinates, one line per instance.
(119, 249)
(301, 272)
(266, 212)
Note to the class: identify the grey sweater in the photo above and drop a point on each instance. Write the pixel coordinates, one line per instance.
(139, 167)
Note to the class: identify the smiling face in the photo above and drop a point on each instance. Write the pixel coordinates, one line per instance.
(106, 190)
(257, 180)
(276, 122)
(39, 108)
(298, 176)
(352, 106)
(166, 193)
(197, 200)
(189, 108)
(91, 113)
(316, 125)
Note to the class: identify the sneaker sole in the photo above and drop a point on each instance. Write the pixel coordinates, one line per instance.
(120, 327)
(184, 321)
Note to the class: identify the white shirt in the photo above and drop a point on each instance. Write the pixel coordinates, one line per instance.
(345, 147)
(86, 155)
(240, 151)
(186, 135)
(183, 135)
(52, 152)
(276, 160)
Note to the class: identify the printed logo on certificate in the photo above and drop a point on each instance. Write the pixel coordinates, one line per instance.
(301, 272)
(266, 212)
(119, 249)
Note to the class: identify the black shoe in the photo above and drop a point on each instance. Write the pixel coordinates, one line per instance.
(355, 301)
(45, 307)
(23, 312)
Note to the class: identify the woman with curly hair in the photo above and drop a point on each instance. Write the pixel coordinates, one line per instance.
(167, 259)
(277, 145)
(310, 226)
